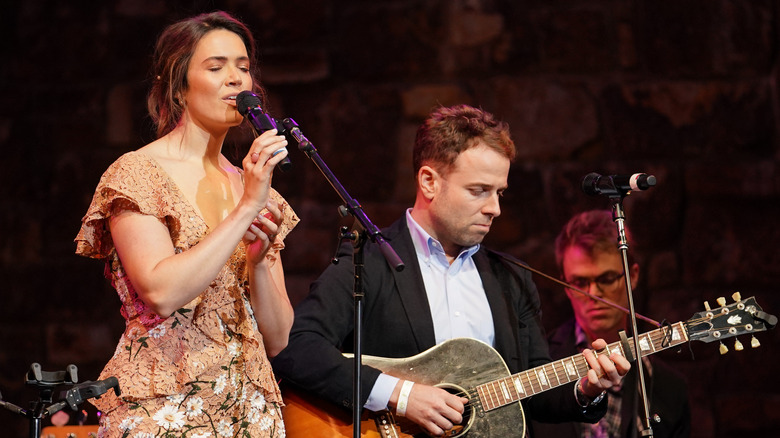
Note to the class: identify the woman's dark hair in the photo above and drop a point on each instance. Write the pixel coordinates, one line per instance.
(171, 61)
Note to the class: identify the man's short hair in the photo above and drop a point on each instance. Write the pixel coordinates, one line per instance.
(593, 231)
(451, 130)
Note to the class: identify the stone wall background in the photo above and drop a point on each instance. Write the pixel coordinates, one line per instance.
(686, 91)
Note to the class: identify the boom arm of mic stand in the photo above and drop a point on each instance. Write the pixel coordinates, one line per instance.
(351, 204)
(582, 292)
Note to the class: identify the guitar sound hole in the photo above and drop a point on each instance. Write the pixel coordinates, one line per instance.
(463, 427)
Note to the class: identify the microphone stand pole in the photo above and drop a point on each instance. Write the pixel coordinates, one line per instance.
(364, 229)
(618, 216)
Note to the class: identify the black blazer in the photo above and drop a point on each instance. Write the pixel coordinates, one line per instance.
(397, 323)
(667, 394)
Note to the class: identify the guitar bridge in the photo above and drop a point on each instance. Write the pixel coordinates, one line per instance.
(385, 424)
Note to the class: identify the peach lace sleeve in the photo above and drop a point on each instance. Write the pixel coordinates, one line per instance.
(289, 221)
(133, 183)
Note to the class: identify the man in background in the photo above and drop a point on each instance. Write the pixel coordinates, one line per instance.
(588, 258)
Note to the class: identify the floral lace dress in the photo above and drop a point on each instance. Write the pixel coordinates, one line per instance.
(203, 371)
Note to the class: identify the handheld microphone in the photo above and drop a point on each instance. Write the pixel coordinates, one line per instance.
(595, 184)
(249, 106)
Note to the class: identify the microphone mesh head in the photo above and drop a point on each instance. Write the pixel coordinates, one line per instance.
(589, 183)
(246, 100)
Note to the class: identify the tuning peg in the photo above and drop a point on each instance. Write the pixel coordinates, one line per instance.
(721, 301)
(737, 296)
(738, 345)
(723, 349)
(754, 343)
(707, 306)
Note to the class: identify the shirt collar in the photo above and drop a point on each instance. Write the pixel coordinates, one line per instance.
(426, 246)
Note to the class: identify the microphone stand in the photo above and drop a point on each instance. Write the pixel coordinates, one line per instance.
(618, 216)
(47, 382)
(364, 229)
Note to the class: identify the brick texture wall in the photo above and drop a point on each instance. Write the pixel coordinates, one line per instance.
(685, 90)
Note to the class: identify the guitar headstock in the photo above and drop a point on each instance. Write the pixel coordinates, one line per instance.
(741, 317)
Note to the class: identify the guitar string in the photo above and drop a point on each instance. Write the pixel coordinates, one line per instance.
(557, 368)
(660, 337)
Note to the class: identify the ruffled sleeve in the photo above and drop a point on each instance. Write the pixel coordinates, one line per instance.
(289, 221)
(132, 183)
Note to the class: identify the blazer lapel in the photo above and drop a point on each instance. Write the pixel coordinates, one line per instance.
(410, 286)
(505, 321)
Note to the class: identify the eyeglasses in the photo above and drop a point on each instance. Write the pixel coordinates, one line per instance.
(605, 282)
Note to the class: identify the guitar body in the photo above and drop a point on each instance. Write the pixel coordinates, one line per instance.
(306, 415)
(457, 365)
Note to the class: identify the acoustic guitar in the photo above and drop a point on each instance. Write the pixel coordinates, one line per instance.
(475, 370)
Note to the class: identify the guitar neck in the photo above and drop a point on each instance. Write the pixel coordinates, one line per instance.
(516, 387)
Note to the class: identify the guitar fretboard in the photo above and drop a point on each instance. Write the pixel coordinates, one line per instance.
(516, 387)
